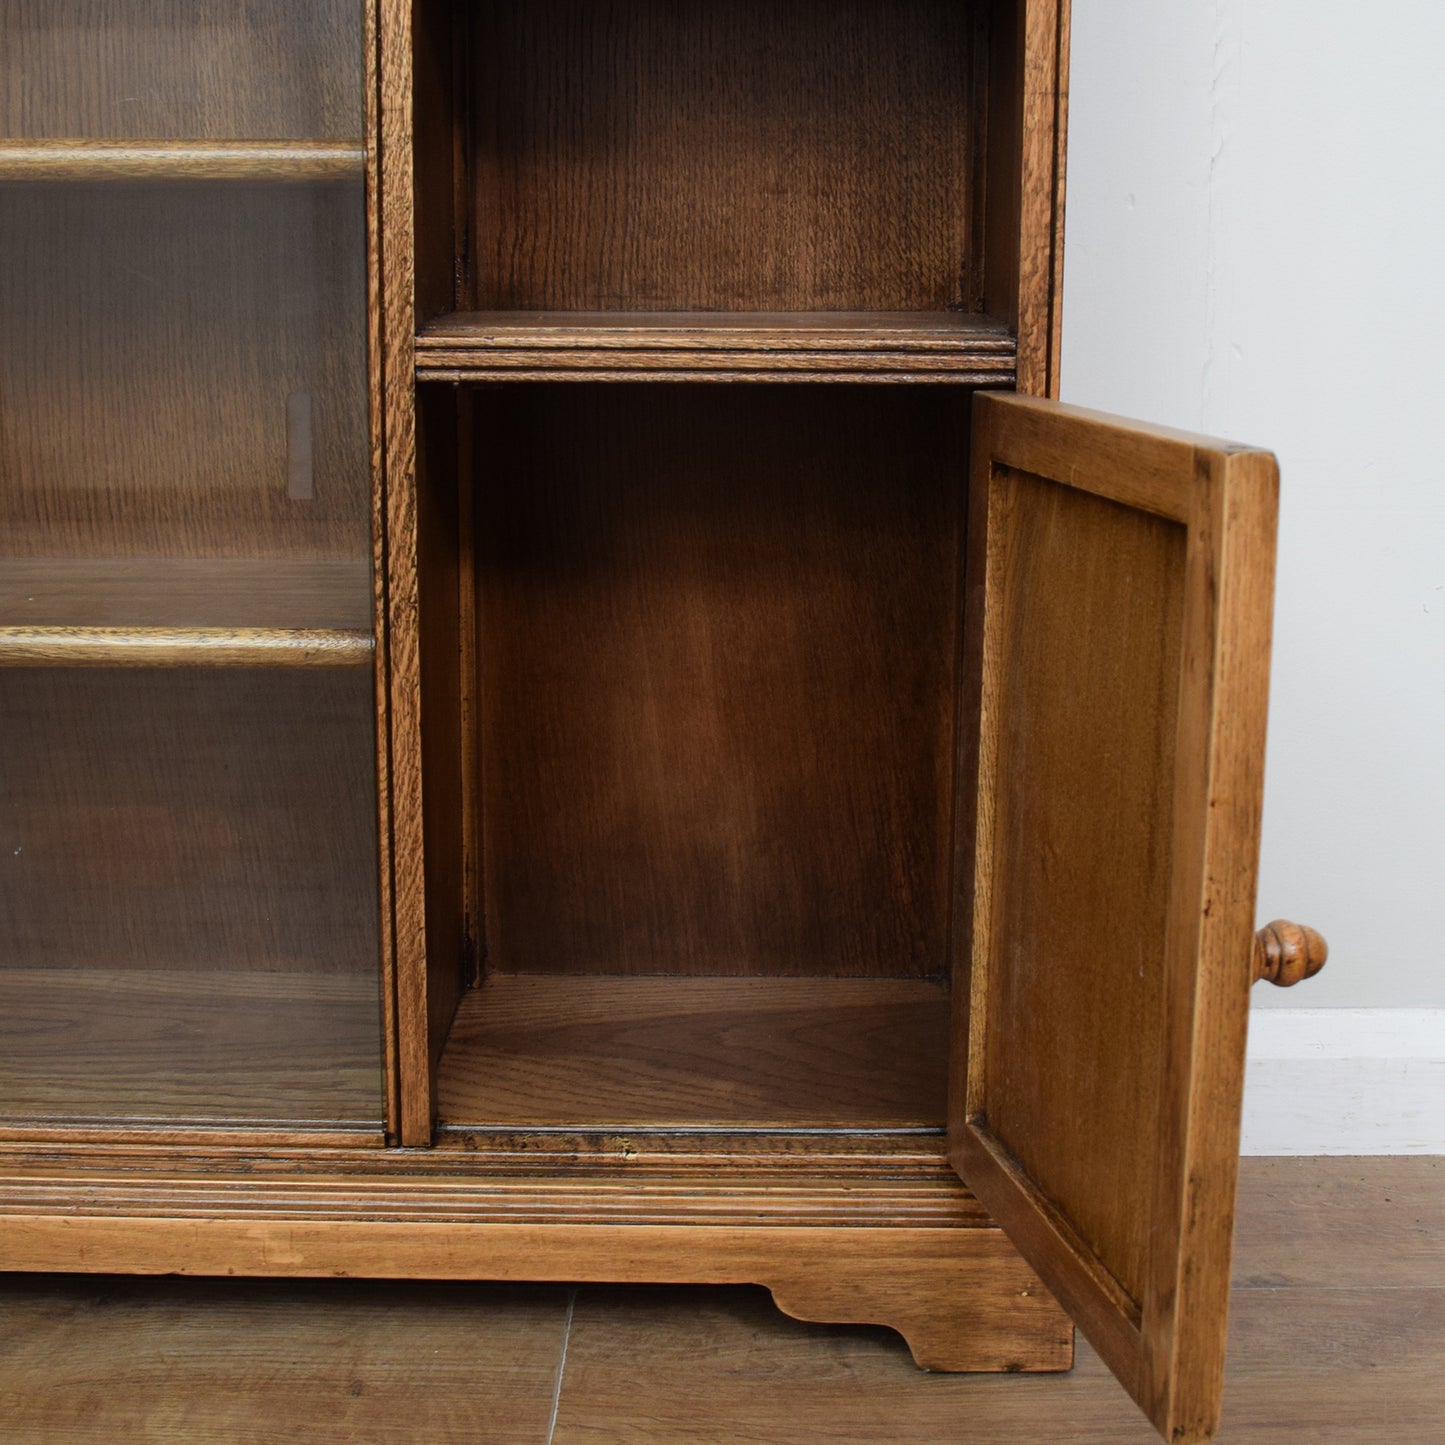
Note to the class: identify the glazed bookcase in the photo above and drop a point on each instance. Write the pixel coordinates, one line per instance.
(574, 709)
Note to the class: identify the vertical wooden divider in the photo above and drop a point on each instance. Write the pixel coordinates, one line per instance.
(377, 436)
(1045, 100)
(414, 1074)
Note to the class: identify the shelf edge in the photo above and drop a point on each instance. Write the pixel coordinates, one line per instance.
(183, 647)
(295, 162)
(648, 349)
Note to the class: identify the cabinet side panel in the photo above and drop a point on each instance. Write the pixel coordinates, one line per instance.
(439, 630)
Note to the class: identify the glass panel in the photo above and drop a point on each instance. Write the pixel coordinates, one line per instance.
(179, 70)
(188, 873)
(182, 377)
(188, 921)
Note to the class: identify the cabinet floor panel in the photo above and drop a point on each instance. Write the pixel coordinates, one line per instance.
(96, 1045)
(686, 1053)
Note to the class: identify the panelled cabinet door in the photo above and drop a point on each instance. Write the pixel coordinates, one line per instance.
(1119, 589)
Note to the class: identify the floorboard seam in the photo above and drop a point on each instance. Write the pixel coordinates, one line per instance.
(561, 1365)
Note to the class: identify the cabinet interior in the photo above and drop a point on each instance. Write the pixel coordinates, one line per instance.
(704, 726)
(690, 654)
(738, 165)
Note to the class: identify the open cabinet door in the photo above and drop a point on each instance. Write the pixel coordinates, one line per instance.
(1119, 601)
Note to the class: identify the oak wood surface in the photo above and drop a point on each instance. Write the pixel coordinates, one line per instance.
(92, 1044)
(1287, 953)
(1037, 248)
(380, 619)
(191, 819)
(1117, 662)
(397, 324)
(649, 156)
(289, 162)
(721, 346)
(723, 1180)
(151, 341)
(534, 1051)
(439, 623)
(718, 636)
(159, 70)
(182, 647)
(1010, 1323)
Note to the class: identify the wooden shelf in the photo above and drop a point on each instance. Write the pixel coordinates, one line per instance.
(687, 1053)
(216, 612)
(716, 346)
(169, 1046)
(182, 647)
(298, 162)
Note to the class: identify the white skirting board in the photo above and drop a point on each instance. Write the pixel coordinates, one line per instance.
(1345, 1081)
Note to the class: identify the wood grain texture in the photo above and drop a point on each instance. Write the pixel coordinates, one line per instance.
(397, 326)
(196, 820)
(723, 1180)
(655, 156)
(283, 162)
(1088, 599)
(380, 620)
(1027, 114)
(1153, 688)
(532, 1051)
(736, 346)
(1012, 1323)
(1044, 95)
(182, 647)
(439, 625)
(176, 1361)
(718, 639)
(962, 1311)
(437, 136)
(159, 70)
(97, 1044)
(1288, 953)
(150, 338)
(333, 594)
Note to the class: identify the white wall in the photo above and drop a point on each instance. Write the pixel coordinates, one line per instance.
(1256, 246)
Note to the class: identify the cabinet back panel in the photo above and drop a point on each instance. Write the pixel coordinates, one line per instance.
(717, 658)
(745, 155)
(181, 70)
(151, 340)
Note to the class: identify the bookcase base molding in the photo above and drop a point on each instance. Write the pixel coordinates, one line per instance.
(891, 1239)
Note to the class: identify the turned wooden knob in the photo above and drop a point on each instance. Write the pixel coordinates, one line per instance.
(1285, 953)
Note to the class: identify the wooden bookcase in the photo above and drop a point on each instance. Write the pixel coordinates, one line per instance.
(573, 708)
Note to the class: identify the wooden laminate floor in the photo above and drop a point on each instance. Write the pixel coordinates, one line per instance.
(1337, 1334)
